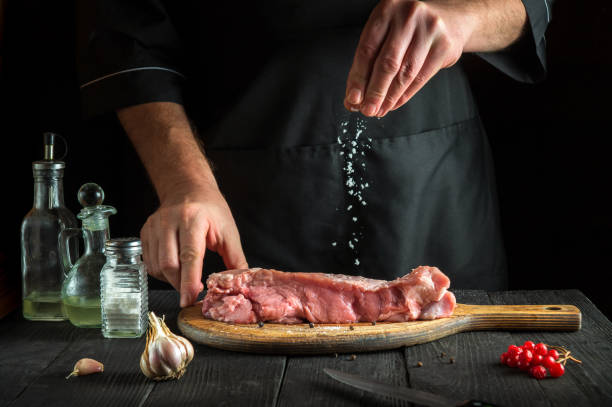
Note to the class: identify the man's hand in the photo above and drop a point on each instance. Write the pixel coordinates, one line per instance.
(176, 236)
(406, 42)
(193, 214)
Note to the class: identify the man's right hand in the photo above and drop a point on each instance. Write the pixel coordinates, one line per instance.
(193, 214)
(176, 236)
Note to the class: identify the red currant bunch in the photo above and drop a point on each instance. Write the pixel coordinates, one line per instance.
(537, 359)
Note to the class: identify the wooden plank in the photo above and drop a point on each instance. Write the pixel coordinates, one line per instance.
(305, 383)
(121, 383)
(121, 374)
(360, 337)
(476, 372)
(586, 384)
(218, 378)
(27, 348)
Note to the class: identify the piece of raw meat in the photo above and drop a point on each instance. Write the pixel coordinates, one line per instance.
(253, 295)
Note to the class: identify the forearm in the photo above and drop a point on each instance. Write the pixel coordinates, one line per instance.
(165, 143)
(485, 25)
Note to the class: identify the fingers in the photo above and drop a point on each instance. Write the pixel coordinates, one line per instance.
(370, 42)
(192, 246)
(176, 236)
(231, 251)
(168, 259)
(148, 237)
(402, 46)
(386, 68)
(410, 68)
(433, 63)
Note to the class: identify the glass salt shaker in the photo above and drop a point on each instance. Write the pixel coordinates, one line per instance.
(123, 289)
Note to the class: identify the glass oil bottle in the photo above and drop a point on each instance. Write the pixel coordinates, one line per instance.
(42, 269)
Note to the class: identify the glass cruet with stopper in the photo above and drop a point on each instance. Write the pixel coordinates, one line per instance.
(42, 269)
(81, 288)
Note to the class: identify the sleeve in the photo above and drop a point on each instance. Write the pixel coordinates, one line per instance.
(129, 54)
(525, 61)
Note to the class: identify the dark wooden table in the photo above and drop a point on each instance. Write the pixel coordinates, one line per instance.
(35, 357)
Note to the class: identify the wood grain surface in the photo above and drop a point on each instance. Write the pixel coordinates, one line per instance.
(301, 339)
(35, 358)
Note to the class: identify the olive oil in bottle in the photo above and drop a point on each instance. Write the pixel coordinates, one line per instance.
(46, 306)
(83, 312)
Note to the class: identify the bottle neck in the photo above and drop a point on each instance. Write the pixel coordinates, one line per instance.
(48, 192)
(95, 239)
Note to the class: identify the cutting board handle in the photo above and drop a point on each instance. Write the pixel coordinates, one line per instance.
(553, 317)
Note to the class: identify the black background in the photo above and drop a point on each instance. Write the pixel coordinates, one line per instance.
(550, 143)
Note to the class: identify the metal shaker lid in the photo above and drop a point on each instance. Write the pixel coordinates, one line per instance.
(128, 245)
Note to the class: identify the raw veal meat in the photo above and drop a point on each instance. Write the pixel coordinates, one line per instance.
(253, 295)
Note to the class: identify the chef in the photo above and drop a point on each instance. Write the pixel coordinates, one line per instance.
(313, 136)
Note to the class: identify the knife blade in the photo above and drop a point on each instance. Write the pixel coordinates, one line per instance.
(400, 392)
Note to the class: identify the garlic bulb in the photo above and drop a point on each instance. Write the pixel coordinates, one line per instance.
(166, 355)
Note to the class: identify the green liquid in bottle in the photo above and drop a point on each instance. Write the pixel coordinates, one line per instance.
(45, 306)
(83, 312)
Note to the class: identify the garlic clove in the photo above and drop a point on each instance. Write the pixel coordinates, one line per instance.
(145, 368)
(170, 350)
(188, 349)
(86, 366)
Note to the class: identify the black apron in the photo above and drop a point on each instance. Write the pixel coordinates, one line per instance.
(264, 86)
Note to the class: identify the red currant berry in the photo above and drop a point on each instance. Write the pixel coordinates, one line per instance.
(528, 355)
(537, 360)
(541, 349)
(556, 370)
(553, 353)
(503, 358)
(529, 345)
(539, 372)
(513, 350)
(548, 361)
(523, 363)
(512, 361)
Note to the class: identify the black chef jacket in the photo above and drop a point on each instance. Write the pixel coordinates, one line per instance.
(264, 82)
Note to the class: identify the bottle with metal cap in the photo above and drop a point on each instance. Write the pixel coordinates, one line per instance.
(42, 269)
(81, 288)
(123, 289)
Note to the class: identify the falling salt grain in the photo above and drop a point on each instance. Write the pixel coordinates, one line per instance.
(352, 150)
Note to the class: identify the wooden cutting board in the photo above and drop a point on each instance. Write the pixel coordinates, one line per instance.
(301, 339)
